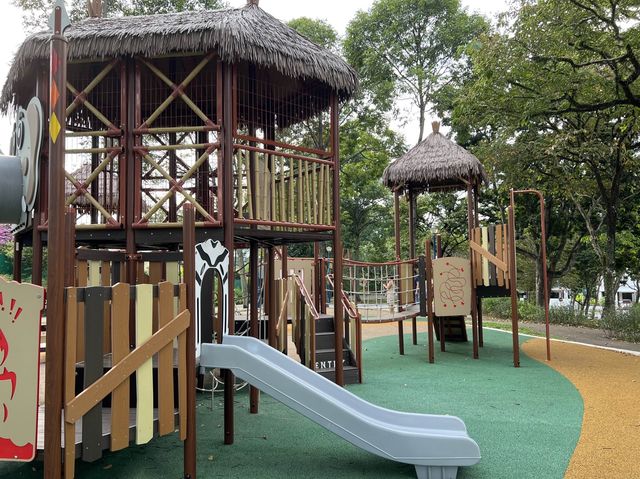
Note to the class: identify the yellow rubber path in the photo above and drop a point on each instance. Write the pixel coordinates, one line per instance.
(609, 382)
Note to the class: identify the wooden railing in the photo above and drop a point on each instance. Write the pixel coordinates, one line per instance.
(305, 318)
(490, 255)
(282, 185)
(159, 320)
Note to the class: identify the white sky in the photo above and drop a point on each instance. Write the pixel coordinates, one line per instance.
(336, 12)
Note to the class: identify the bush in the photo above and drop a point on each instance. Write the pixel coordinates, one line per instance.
(623, 325)
(570, 317)
(501, 308)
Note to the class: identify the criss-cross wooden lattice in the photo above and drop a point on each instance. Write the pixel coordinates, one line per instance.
(109, 130)
(159, 172)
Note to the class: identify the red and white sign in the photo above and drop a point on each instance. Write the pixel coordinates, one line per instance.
(21, 308)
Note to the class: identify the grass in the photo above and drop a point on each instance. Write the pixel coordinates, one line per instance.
(507, 327)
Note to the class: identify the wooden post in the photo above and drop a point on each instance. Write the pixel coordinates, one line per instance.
(254, 393)
(56, 243)
(189, 258)
(70, 236)
(429, 280)
(412, 251)
(271, 290)
(337, 241)
(440, 321)
(228, 224)
(512, 284)
(285, 286)
(474, 303)
(17, 260)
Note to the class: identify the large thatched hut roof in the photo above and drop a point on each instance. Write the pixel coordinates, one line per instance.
(238, 34)
(436, 163)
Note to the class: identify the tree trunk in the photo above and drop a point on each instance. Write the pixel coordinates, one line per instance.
(609, 273)
(422, 111)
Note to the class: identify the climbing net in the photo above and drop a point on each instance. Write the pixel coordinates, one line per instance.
(380, 291)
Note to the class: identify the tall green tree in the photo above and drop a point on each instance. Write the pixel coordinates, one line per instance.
(409, 48)
(564, 74)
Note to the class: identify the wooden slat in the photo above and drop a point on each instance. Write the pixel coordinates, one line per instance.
(249, 173)
(93, 368)
(492, 249)
(182, 367)
(71, 325)
(130, 364)
(507, 276)
(485, 261)
(477, 258)
(166, 421)
(240, 192)
(292, 213)
(499, 253)
(94, 273)
(144, 374)
(120, 300)
(82, 280)
(300, 194)
(105, 280)
(485, 255)
(155, 277)
(140, 274)
(283, 192)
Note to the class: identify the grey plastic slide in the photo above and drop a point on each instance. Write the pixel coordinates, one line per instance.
(436, 445)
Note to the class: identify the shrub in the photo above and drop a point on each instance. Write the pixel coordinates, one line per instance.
(570, 317)
(497, 307)
(623, 324)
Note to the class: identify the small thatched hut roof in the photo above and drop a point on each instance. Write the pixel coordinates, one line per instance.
(238, 34)
(436, 163)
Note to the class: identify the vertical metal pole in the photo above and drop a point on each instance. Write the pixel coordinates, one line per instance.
(228, 224)
(189, 252)
(254, 393)
(337, 241)
(513, 282)
(56, 243)
(474, 303)
(396, 222)
(440, 320)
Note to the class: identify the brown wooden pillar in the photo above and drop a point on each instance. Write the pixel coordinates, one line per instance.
(228, 225)
(271, 293)
(429, 280)
(474, 304)
(285, 285)
(396, 222)
(189, 258)
(17, 259)
(56, 242)
(412, 251)
(337, 241)
(254, 393)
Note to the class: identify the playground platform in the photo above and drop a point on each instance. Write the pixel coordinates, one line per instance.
(575, 417)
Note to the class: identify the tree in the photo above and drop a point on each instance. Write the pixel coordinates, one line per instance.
(402, 47)
(563, 75)
(37, 11)
(318, 31)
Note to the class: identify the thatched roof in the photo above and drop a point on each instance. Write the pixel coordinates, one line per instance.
(436, 163)
(238, 34)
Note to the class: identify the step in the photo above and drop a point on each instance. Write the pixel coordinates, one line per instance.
(325, 340)
(350, 374)
(455, 329)
(329, 355)
(325, 324)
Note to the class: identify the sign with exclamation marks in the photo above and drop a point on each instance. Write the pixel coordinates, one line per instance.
(21, 308)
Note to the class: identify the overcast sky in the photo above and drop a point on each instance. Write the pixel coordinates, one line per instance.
(336, 12)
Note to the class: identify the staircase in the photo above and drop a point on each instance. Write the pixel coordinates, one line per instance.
(325, 352)
(454, 328)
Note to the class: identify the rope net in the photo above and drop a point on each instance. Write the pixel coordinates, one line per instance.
(380, 291)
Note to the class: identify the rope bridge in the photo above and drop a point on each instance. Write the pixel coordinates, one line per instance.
(380, 291)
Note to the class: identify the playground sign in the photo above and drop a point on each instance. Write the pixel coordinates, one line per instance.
(21, 308)
(452, 286)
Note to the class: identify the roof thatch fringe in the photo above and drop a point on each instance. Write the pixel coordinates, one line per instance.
(240, 34)
(436, 162)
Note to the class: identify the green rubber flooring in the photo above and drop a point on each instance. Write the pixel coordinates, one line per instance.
(526, 421)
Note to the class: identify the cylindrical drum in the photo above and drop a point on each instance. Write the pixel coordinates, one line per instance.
(11, 188)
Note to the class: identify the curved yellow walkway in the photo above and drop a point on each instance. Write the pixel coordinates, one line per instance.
(609, 382)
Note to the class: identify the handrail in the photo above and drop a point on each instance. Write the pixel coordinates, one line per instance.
(353, 262)
(305, 294)
(352, 311)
